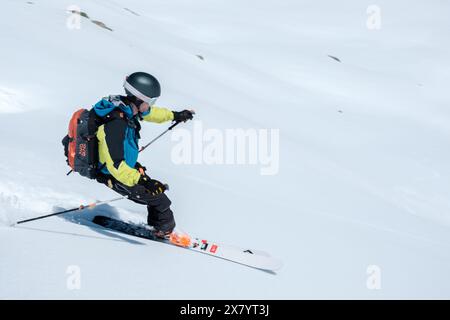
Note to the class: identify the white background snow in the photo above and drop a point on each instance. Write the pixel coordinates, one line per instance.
(364, 173)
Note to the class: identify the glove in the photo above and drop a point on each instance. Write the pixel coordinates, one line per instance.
(140, 168)
(152, 186)
(184, 115)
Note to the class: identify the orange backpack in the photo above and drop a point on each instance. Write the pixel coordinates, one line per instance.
(81, 144)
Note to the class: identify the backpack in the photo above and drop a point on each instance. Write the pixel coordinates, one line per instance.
(81, 144)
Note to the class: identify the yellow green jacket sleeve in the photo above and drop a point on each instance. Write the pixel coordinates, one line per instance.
(110, 147)
(158, 115)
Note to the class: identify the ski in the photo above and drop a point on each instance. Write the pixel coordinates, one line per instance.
(245, 256)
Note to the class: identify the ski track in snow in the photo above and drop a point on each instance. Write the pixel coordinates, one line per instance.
(11, 101)
(18, 201)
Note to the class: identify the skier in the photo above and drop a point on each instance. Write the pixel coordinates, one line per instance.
(118, 147)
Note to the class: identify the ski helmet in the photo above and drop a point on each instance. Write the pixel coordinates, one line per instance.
(143, 86)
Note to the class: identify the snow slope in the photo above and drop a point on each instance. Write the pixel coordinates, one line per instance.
(363, 171)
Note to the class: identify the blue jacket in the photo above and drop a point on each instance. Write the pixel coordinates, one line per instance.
(119, 137)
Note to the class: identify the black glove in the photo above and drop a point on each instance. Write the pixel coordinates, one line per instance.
(140, 168)
(152, 186)
(184, 115)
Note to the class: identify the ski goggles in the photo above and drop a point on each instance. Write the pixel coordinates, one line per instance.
(150, 101)
(139, 95)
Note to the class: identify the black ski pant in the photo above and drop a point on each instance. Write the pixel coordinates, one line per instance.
(160, 216)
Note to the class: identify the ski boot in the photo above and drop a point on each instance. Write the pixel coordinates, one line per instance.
(162, 234)
(177, 238)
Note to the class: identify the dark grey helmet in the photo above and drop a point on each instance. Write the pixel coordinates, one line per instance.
(143, 86)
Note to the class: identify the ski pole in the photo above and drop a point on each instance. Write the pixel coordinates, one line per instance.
(81, 207)
(165, 131)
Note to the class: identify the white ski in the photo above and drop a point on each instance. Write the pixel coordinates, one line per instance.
(245, 256)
